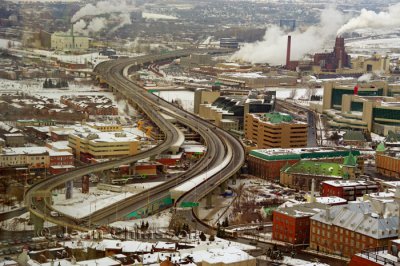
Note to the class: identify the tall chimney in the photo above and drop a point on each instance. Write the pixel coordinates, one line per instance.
(72, 34)
(312, 194)
(289, 42)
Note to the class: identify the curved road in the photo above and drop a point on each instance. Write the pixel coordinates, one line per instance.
(219, 143)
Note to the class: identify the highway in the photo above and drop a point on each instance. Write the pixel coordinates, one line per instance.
(220, 145)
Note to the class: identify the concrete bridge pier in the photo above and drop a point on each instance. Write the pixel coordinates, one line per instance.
(209, 201)
(234, 178)
(38, 224)
(223, 186)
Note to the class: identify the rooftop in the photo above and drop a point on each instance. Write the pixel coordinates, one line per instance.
(302, 210)
(377, 220)
(33, 151)
(316, 168)
(349, 183)
(107, 136)
(300, 153)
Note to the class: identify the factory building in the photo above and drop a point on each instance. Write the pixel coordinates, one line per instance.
(335, 60)
(69, 41)
(36, 39)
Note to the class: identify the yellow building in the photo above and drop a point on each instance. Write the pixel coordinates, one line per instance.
(275, 130)
(103, 145)
(106, 127)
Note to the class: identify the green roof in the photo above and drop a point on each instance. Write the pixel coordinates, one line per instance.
(299, 154)
(350, 160)
(380, 147)
(277, 118)
(316, 168)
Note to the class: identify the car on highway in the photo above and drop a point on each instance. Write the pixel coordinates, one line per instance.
(54, 214)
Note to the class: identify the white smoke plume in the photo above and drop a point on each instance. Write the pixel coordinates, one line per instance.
(120, 13)
(96, 24)
(124, 19)
(371, 20)
(272, 49)
(80, 26)
(103, 7)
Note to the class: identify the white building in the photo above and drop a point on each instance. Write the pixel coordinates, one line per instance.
(67, 41)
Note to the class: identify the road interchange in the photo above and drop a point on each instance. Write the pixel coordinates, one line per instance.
(224, 156)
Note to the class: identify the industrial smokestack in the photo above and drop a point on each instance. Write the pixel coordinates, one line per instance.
(289, 43)
(312, 194)
(72, 34)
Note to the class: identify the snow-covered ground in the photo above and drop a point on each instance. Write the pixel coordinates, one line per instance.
(4, 43)
(82, 205)
(20, 223)
(221, 209)
(7, 208)
(159, 220)
(186, 98)
(155, 16)
(293, 261)
(371, 44)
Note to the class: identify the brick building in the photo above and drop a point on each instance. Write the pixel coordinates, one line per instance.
(292, 224)
(377, 256)
(267, 163)
(348, 189)
(348, 229)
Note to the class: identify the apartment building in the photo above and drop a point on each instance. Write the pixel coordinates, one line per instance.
(275, 130)
(34, 157)
(348, 229)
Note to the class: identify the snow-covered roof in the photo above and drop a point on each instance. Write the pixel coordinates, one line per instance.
(165, 245)
(109, 244)
(99, 262)
(135, 246)
(302, 210)
(348, 183)
(330, 200)
(214, 256)
(366, 218)
(108, 136)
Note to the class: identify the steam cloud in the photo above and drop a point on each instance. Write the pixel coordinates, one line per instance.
(371, 20)
(120, 8)
(272, 49)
